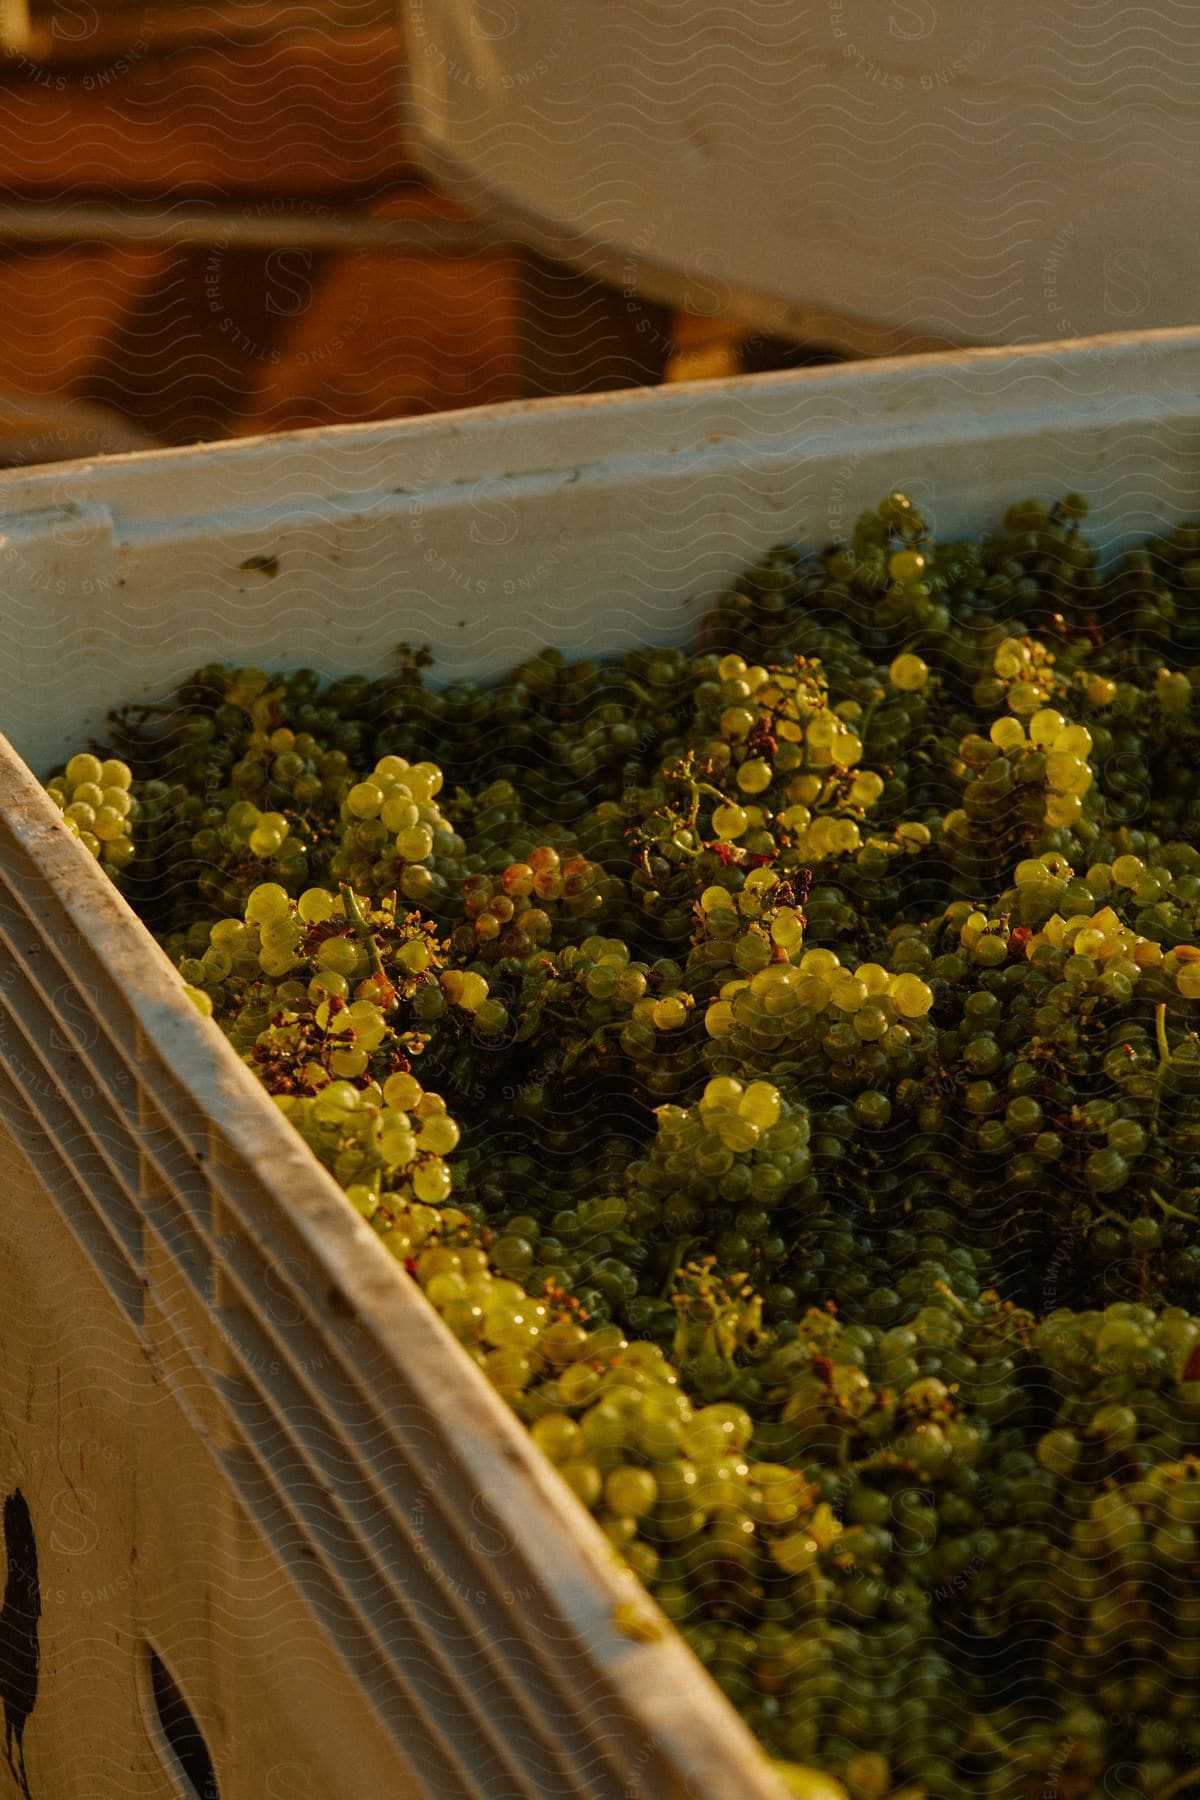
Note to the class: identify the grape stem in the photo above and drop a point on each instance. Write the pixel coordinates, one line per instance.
(581, 1048)
(1172, 1211)
(864, 724)
(953, 1298)
(1164, 1060)
(983, 1732)
(1177, 1786)
(1160, 1032)
(678, 1251)
(362, 930)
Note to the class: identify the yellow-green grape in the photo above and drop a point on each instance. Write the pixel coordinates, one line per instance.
(414, 843)
(1173, 691)
(491, 1017)
(268, 835)
(786, 929)
(199, 999)
(721, 1093)
(1067, 774)
(847, 993)
(906, 566)
(912, 997)
(341, 955)
(267, 901)
(1074, 740)
(465, 988)
(630, 1491)
(1128, 871)
(760, 1104)
(362, 1198)
(717, 899)
(754, 776)
(439, 1134)
(1011, 659)
(397, 1141)
(670, 1013)
(804, 1783)
(1187, 980)
(875, 978)
(730, 821)
(1045, 727)
(866, 788)
(737, 722)
(908, 673)
(365, 799)
(85, 768)
(1062, 810)
(369, 1025)
(402, 1092)
(1007, 734)
(431, 1181)
(414, 957)
(316, 904)
(115, 774)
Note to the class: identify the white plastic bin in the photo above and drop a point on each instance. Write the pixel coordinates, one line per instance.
(882, 176)
(255, 1464)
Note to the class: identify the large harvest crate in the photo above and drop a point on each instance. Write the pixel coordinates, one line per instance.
(272, 1532)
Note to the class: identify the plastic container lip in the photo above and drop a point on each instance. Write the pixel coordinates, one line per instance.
(594, 522)
(1068, 360)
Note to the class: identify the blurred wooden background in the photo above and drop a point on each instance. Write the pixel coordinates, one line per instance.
(211, 227)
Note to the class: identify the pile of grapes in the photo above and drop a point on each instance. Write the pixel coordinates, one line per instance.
(779, 1066)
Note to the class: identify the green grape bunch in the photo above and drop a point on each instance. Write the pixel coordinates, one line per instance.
(100, 808)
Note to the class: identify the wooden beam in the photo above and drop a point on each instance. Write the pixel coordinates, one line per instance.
(417, 229)
(60, 33)
(303, 114)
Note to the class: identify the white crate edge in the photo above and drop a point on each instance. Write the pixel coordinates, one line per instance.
(593, 522)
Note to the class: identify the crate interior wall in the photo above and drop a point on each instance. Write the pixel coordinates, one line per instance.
(248, 1448)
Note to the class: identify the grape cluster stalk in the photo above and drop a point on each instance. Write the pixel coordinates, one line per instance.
(778, 1063)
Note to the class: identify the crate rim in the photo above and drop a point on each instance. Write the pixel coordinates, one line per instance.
(1072, 357)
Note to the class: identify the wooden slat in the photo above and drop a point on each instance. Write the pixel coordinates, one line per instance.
(415, 224)
(65, 32)
(302, 114)
(60, 310)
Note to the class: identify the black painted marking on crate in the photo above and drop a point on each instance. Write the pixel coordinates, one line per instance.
(19, 1651)
(181, 1731)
